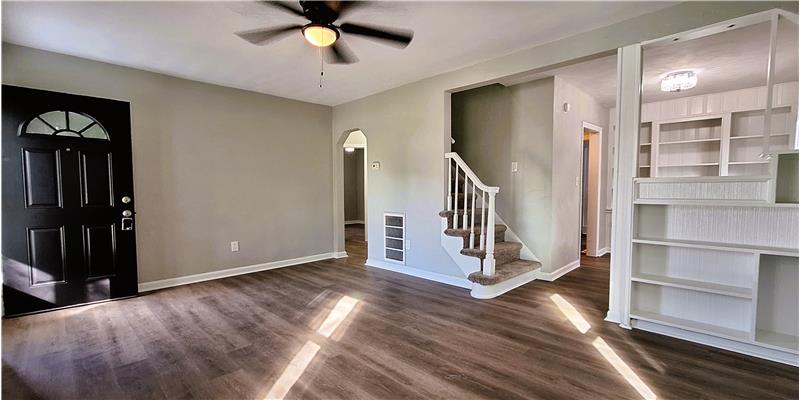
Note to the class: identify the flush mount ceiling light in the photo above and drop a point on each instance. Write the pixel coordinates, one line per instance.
(678, 81)
(320, 35)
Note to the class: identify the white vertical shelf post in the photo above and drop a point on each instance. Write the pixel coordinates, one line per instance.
(629, 74)
(725, 145)
(773, 38)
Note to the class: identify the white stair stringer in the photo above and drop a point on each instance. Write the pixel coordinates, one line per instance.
(453, 245)
(468, 265)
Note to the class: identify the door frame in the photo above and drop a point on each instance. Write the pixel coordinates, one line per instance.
(594, 213)
(123, 165)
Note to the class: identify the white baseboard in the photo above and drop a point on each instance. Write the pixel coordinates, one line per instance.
(551, 276)
(355, 221)
(207, 276)
(603, 251)
(340, 254)
(722, 343)
(420, 273)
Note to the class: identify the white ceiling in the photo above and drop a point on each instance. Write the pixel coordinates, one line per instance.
(195, 40)
(732, 60)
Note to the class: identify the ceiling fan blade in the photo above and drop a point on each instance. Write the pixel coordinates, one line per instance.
(262, 36)
(285, 6)
(400, 38)
(344, 7)
(340, 53)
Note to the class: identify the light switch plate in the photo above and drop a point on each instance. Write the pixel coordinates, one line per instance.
(235, 246)
(376, 165)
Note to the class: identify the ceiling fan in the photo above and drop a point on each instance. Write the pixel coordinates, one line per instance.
(323, 31)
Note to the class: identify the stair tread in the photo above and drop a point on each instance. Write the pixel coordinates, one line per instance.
(500, 247)
(504, 272)
(465, 232)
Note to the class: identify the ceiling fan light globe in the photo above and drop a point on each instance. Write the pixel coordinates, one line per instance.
(320, 35)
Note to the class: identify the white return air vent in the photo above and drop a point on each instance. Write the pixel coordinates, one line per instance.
(394, 235)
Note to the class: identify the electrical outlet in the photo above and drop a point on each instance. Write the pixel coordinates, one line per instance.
(235, 245)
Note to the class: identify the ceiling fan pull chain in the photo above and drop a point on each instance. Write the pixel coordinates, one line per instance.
(321, 67)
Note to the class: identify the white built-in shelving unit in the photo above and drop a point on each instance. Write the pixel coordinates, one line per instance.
(717, 134)
(715, 258)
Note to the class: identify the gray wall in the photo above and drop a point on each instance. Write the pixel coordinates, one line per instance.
(354, 185)
(494, 126)
(409, 129)
(568, 146)
(211, 164)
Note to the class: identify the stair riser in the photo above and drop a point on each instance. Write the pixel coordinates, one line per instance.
(498, 237)
(503, 258)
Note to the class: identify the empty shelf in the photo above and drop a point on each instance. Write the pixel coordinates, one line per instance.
(708, 287)
(757, 136)
(776, 339)
(690, 141)
(744, 248)
(747, 162)
(690, 165)
(690, 325)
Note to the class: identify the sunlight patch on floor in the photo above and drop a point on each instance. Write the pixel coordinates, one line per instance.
(611, 356)
(293, 371)
(571, 313)
(335, 318)
(300, 362)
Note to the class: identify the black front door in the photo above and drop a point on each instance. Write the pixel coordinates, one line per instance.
(68, 201)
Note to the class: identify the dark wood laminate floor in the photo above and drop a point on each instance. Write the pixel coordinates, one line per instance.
(396, 337)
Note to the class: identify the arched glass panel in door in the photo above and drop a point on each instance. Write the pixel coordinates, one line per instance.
(65, 123)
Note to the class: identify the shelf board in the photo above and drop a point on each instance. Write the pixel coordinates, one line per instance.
(690, 325)
(689, 165)
(645, 144)
(714, 202)
(700, 286)
(690, 141)
(747, 162)
(778, 340)
(757, 136)
(743, 248)
(644, 166)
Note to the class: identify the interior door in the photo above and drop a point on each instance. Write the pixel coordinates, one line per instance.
(68, 203)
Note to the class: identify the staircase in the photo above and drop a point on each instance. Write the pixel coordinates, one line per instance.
(491, 263)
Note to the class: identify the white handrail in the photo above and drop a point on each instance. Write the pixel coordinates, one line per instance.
(486, 237)
(482, 186)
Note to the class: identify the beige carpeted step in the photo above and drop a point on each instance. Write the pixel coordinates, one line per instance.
(504, 272)
(499, 233)
(504, 252)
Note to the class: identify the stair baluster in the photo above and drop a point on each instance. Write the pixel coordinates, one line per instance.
(466, 207)
(455, 208)
(449, 188)
(472, 224)
(482, 240)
